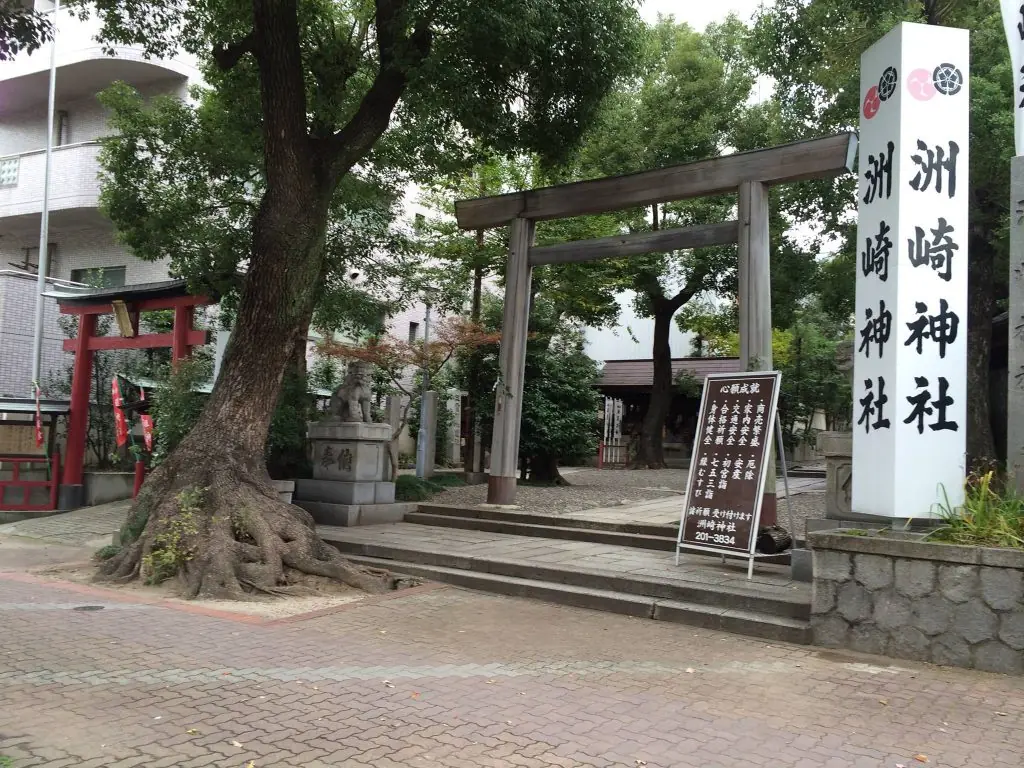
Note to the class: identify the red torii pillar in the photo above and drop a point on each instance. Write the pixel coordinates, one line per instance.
(181, 339)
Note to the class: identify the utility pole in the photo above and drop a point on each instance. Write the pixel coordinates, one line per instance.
(43, 264)
(421, 437)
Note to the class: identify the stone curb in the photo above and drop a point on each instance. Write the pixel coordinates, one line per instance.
(913, 547)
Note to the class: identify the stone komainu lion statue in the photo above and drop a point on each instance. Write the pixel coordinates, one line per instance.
(351, 401)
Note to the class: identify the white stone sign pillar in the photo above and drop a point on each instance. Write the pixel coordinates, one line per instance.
(910, 369)
(1013, 22)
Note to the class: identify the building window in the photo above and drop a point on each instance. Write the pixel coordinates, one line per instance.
(63, 128)
(9, 171)
(414, 329)
(99, 277)
(30, 263)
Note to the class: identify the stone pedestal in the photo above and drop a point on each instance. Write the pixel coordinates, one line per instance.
(837, 448)
(285, 490)
(349, 466)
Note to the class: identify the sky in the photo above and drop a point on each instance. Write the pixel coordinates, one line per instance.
(698, 13)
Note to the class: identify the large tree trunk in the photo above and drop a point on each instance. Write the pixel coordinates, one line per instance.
(209, 513)
(651, 451)
(544, 470)
(981, 277)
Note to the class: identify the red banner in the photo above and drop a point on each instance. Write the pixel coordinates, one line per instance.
(120, 423)
(39, 421)
(147, 425)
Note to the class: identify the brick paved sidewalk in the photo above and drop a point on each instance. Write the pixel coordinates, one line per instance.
(452, 678)
(83, 526)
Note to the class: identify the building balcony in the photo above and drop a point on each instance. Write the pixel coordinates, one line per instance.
(74, 180)
(83, 69)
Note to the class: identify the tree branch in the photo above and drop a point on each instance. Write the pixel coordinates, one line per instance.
(694, 285)
(227, 55)
(398, 54)
(647, 283)
(277, 47)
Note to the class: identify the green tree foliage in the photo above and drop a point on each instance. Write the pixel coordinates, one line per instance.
(21, 29)
(583, 292)
(683, 106)
(176, 407)
(182, 183)
(332, 90)
(286, 439)
(808, 356)
(560, 403)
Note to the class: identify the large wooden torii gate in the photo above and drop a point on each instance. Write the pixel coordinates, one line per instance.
(747, 173)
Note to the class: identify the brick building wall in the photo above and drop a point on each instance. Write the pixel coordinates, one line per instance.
(17, 326)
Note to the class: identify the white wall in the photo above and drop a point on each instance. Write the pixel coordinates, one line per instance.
(618, 343)
(86, 120)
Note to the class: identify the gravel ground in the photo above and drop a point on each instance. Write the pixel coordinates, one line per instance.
(590, 489)
(805, 505)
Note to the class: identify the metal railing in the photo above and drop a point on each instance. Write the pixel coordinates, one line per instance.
(612, 454)
(16, 482)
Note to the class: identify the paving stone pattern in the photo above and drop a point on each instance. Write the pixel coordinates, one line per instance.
(76, 528)
(964, 615)
(454, 678)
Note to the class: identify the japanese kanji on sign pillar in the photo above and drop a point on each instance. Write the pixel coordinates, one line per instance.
(910, 369)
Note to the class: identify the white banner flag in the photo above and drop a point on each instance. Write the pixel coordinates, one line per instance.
(1013, 23)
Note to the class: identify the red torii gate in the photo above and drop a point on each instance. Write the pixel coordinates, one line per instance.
(126, 304)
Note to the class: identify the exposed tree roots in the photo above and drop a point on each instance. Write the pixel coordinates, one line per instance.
(224, 534)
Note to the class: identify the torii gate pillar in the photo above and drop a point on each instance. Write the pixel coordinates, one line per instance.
(755, 300)
(508, 397)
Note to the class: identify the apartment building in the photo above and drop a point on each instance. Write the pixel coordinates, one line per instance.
(82, 247)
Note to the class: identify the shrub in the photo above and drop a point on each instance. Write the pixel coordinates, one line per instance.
(412, 488)
(107, 552)
(990, 516)
(175, 544)
(176, 407)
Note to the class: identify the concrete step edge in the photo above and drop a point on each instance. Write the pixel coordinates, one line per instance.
(646, 529)
(635, 540)
(690, 592)
(767, 626)
(749, 623)
(664, 540)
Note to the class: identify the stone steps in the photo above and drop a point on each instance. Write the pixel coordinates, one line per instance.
(720, 599)
(546, 529)
(749, 623)
(639, 535)
(531, 518)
